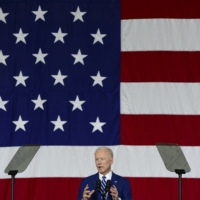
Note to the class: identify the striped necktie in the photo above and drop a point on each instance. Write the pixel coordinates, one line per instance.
(103, 184)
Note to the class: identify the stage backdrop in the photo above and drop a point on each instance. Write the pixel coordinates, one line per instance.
(79, 74)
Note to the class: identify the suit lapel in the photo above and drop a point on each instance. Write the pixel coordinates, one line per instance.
(113, 179)
(113, 182)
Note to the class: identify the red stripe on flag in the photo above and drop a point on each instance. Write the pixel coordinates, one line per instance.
(41, 188)
(151, 129)
(164, 188)
(67, 188)
(160, 66)
(160, 9)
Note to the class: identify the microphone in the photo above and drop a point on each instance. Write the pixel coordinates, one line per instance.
(108, 186)
(98, 185)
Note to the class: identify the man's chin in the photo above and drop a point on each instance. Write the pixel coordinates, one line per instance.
(101, 171)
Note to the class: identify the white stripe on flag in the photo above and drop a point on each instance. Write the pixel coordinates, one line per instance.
(160, 34)
(74, 161)
(160, 98)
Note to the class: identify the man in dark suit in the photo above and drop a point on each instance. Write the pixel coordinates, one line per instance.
(120, 187)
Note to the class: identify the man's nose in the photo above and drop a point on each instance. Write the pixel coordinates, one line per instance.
(99, 162)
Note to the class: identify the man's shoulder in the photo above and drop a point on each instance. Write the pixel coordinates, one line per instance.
(118, 177)
(90, 180)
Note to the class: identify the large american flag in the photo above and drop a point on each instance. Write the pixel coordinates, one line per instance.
(78, 74)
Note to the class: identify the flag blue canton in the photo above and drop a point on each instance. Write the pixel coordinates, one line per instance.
(68, 93)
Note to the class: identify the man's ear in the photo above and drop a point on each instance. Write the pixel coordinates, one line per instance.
(111, 159)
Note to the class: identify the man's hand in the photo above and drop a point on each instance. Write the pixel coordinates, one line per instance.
(87, 193)
(114, 193)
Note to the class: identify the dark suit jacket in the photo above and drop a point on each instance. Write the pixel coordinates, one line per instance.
(122, 185)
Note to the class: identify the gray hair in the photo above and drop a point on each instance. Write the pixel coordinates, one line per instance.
(105, 148)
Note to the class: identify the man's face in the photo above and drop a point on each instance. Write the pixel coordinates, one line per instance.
(103, 161)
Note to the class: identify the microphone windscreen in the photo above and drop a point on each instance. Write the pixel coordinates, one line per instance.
(98, 185)
(108, 186)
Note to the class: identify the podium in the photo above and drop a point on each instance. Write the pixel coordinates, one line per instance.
(20, 162)
(174, 161)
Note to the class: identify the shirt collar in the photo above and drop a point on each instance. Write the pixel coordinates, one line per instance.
(108, 176)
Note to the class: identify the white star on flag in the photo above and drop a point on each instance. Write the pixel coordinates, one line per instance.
(58, 124)
(20, 124)
(59, 36)
(97, 125)
(78, 15)
(20, 79)
(39, 103)
(59, 78)
(2, 104)
(3, 15)
(98, 79)
(20, 36)
(98, 37)
(79, 57)
(77, 104)
(40, 56)
(39, 14)
(3, 58)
